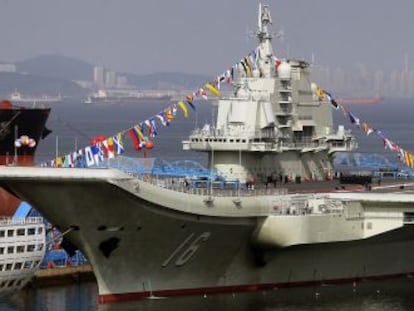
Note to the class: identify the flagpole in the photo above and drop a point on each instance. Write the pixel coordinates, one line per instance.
(57, 146)
(196, 119)
(238, 190)
(211, 171)
(15, 147)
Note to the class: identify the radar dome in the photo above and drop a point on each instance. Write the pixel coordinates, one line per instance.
(284, 71)
(255, 73)
(241, 92)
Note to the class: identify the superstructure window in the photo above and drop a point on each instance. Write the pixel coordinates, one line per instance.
(18, 265)
(10, 249)
(40, 230)
(20, 249)
(1, 250)
(31, 248)
(28, 264)
(1, 233)
(31, 231)
(40, 247)
(10, 233)
(9, 266)
(20, 232)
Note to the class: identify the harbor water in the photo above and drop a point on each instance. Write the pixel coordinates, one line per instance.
(74, 124)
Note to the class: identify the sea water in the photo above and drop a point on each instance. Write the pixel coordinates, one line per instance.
(74, 124)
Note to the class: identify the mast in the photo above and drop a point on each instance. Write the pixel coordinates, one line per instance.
(265, 51)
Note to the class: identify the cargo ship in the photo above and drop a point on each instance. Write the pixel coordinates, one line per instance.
(21, 129)
(266, 215)
(109, 97)
(17, 98)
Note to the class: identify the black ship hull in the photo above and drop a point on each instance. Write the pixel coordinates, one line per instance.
(16, 122)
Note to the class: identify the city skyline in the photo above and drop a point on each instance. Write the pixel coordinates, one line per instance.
(193, 37)
(359, 79)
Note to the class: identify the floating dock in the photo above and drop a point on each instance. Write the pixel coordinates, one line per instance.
(62, 276)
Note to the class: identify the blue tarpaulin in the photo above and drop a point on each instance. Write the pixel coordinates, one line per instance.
(22, 211)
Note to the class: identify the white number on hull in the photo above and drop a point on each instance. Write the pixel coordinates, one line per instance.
(189, 252)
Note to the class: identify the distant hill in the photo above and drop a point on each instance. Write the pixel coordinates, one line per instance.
(56, 66)
(62, 67)
(37, 85)
(167, 80)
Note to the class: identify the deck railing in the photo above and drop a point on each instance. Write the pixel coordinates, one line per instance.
(20, 221)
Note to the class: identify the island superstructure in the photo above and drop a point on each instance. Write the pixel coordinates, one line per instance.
(274, 123)
(147, 234)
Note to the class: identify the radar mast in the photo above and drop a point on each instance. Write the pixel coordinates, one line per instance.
(264, 51)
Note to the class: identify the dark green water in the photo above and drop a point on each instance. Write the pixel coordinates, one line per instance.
(391, 295)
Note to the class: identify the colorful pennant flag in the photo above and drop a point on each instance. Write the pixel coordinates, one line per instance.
(183, 107)
(353, 118)
(212, 89)
(118, 143)
(132, 132)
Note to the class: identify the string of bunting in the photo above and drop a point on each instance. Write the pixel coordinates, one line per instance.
(102, 147)
(404, 156)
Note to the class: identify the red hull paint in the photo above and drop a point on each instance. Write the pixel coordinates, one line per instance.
(20, 160)
(8, 202)
(112, 298)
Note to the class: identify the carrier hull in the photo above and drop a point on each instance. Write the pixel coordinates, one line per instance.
(141, 247)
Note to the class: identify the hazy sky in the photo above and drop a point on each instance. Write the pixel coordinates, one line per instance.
(194, 36)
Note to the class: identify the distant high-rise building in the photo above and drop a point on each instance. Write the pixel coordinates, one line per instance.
(121, 82)
(110, 79)
(411, 83)
(7, 68)
(98, 76)
(379, 83)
